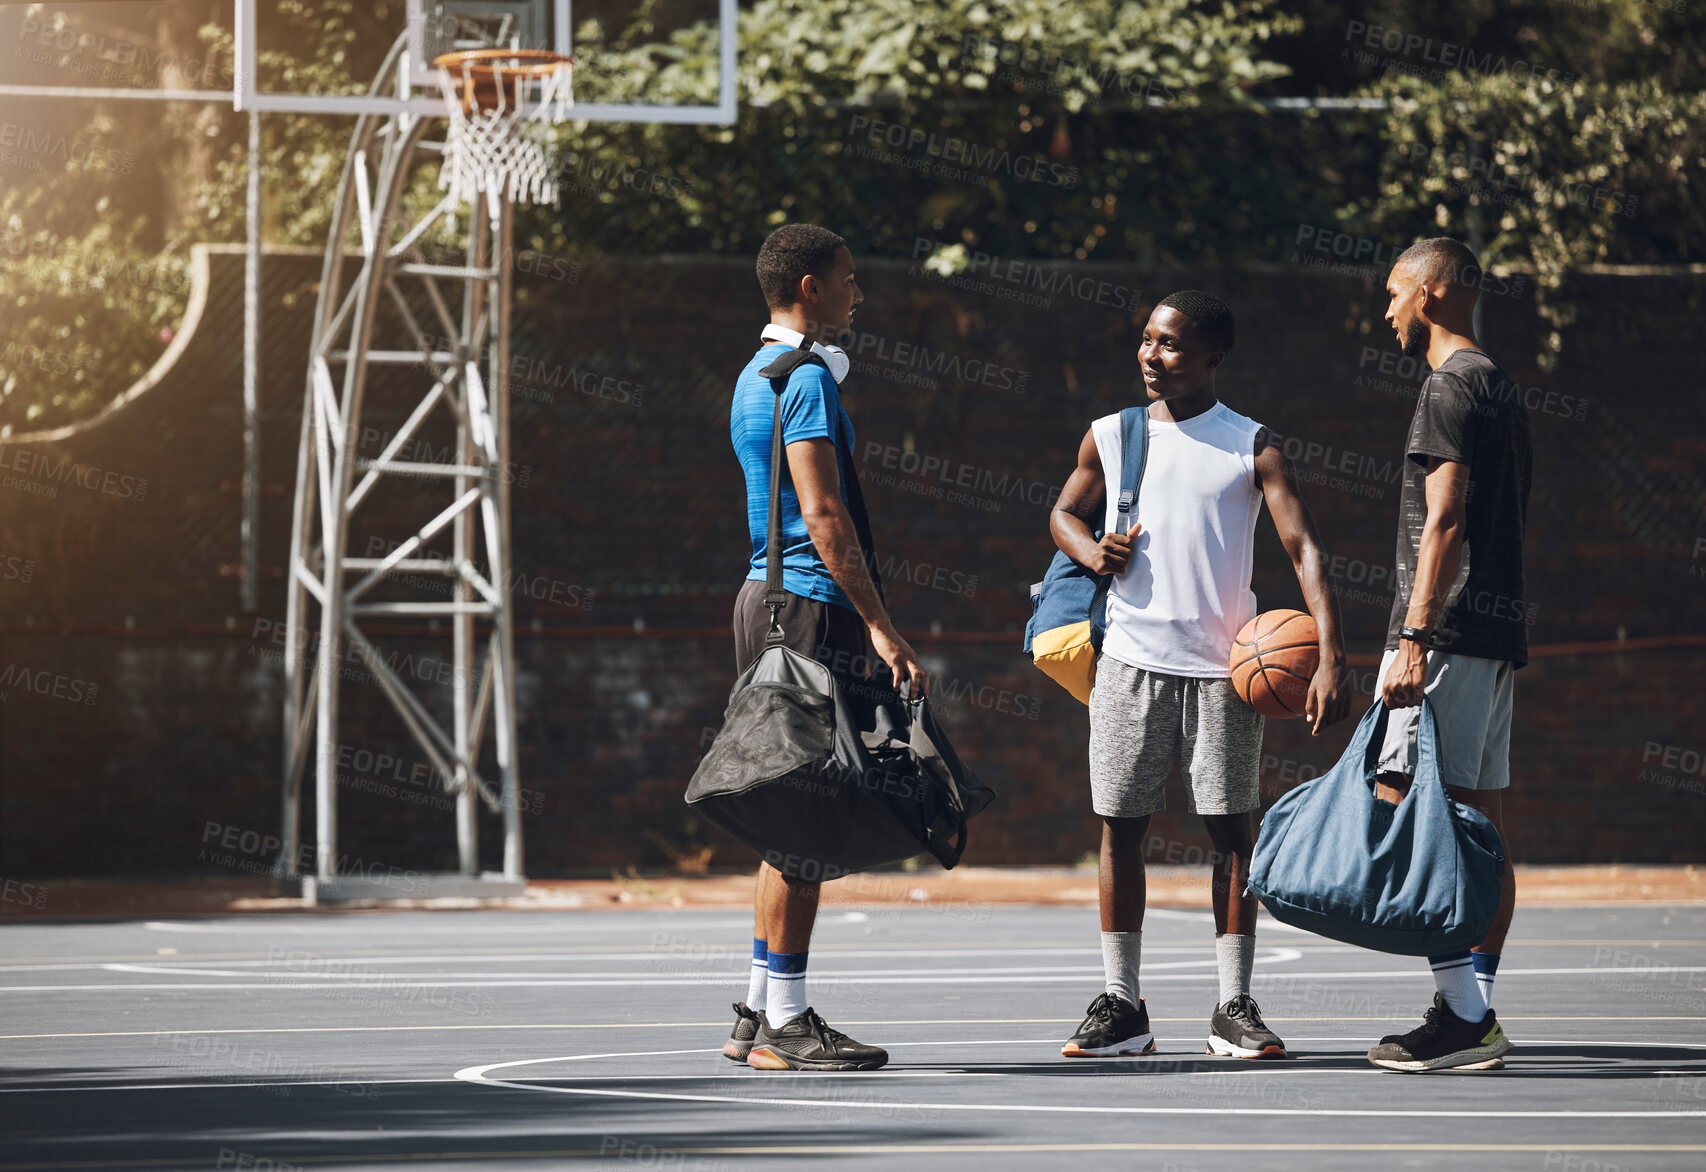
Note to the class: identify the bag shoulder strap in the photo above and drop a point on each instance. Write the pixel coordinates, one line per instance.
(1134, 430)
(861, 517)
(1134, 454)
(779, 371)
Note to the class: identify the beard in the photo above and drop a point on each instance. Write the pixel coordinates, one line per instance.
(1415, 338)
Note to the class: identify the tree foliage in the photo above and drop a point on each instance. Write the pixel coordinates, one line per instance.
(87, 311)
(973, 122)
(1032, 129)
(1549, 177)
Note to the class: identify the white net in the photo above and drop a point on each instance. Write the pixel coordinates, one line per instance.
(499, 149)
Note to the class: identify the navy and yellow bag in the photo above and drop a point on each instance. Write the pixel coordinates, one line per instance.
(1069, 607)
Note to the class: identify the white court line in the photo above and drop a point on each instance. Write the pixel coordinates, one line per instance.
(1263, 917)
(652, 982)
(805, 1074)
(333, 923)
(1518, 1046)
(823, 950)
(221, 1084)
(171, 969)
(475, 1074)
(1277, 957)
(685, 952)
(957, 978)
(480, 1075)
(688, 950)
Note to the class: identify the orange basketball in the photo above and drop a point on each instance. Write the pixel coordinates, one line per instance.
(1273, 659)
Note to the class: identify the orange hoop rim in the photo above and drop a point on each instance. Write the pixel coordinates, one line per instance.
(484, 63)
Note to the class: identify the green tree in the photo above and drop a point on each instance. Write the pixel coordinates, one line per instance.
(1550, 177)
(1024, 128)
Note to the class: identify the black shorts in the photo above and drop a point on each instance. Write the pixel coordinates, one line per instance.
(830, 634)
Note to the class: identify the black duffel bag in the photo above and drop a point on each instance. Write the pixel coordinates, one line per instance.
(820, 774)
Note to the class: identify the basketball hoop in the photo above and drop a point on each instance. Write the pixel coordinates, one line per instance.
(492, 95)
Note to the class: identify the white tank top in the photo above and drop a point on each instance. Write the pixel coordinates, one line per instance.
(1185, 593)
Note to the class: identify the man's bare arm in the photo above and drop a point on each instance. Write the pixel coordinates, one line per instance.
(1441, 551)
(817, 482)
(1438, 557)
(1081, 501)
(1329, 700)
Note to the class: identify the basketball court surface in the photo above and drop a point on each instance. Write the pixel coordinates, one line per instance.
(548, 1039)
(544, 1039)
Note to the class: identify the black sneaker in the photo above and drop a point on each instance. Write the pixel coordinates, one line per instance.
(1112, 1027)
(739, 1044)
(1444, 1041)
(808, 1043)
(1238, 1031)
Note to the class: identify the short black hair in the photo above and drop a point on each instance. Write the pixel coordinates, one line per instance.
(788, 254)
(1209, 313)
(1442, 260)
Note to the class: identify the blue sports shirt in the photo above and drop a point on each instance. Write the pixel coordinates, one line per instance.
(811, 409)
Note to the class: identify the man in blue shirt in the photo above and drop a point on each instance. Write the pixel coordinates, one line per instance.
(834, 610)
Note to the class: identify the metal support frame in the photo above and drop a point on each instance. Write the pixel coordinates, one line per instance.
(382, 154)
(251, 371)
(364, 320)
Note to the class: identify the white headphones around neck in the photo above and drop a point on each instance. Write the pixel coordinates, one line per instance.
(833, 356)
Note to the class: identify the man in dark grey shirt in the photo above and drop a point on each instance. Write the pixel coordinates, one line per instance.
(1458, 630)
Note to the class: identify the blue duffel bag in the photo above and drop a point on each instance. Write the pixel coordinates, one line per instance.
(1419, 879)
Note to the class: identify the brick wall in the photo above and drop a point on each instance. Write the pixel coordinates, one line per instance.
(153, 703)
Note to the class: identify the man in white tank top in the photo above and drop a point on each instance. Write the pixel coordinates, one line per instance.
(1163, 691)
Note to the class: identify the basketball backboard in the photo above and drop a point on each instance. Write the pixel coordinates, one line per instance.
(122, 51)
(439, 26)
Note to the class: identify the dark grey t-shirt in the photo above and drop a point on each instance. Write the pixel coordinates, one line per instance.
(1469, 412)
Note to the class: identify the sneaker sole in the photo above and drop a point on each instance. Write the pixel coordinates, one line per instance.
(1479, 1058)
(735, 1052)
(1130, 1048)
(1225, 1049)
(764, 1058)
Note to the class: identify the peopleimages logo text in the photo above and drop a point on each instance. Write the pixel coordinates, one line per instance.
(1022, 274)
(69, 150)
(67, 471)
(1447, 54)
(902, 140)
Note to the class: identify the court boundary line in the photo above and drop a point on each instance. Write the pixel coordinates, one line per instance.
(392, 982)
(887, 1149)
(479, 1076)
(717, 1025)
(592, 951)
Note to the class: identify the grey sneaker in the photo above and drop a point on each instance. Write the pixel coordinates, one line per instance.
(740, 1041)
(809, 1043)
(1238, 1031)
(1444, 1041)
(1112, 1028)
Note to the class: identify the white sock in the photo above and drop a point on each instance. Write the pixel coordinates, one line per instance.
(785, 990)
(1236, 958)
(1454, 977)
(1121, 952)
(1486, 967)
(759, 979)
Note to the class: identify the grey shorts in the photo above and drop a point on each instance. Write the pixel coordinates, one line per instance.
(1471, 699)
(1140, 721)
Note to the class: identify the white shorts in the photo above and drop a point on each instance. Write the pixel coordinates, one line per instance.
(1471, 700)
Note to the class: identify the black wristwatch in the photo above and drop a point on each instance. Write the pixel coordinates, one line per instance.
(1415, 634)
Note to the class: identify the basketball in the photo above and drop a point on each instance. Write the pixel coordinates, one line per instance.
(1273, 659)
